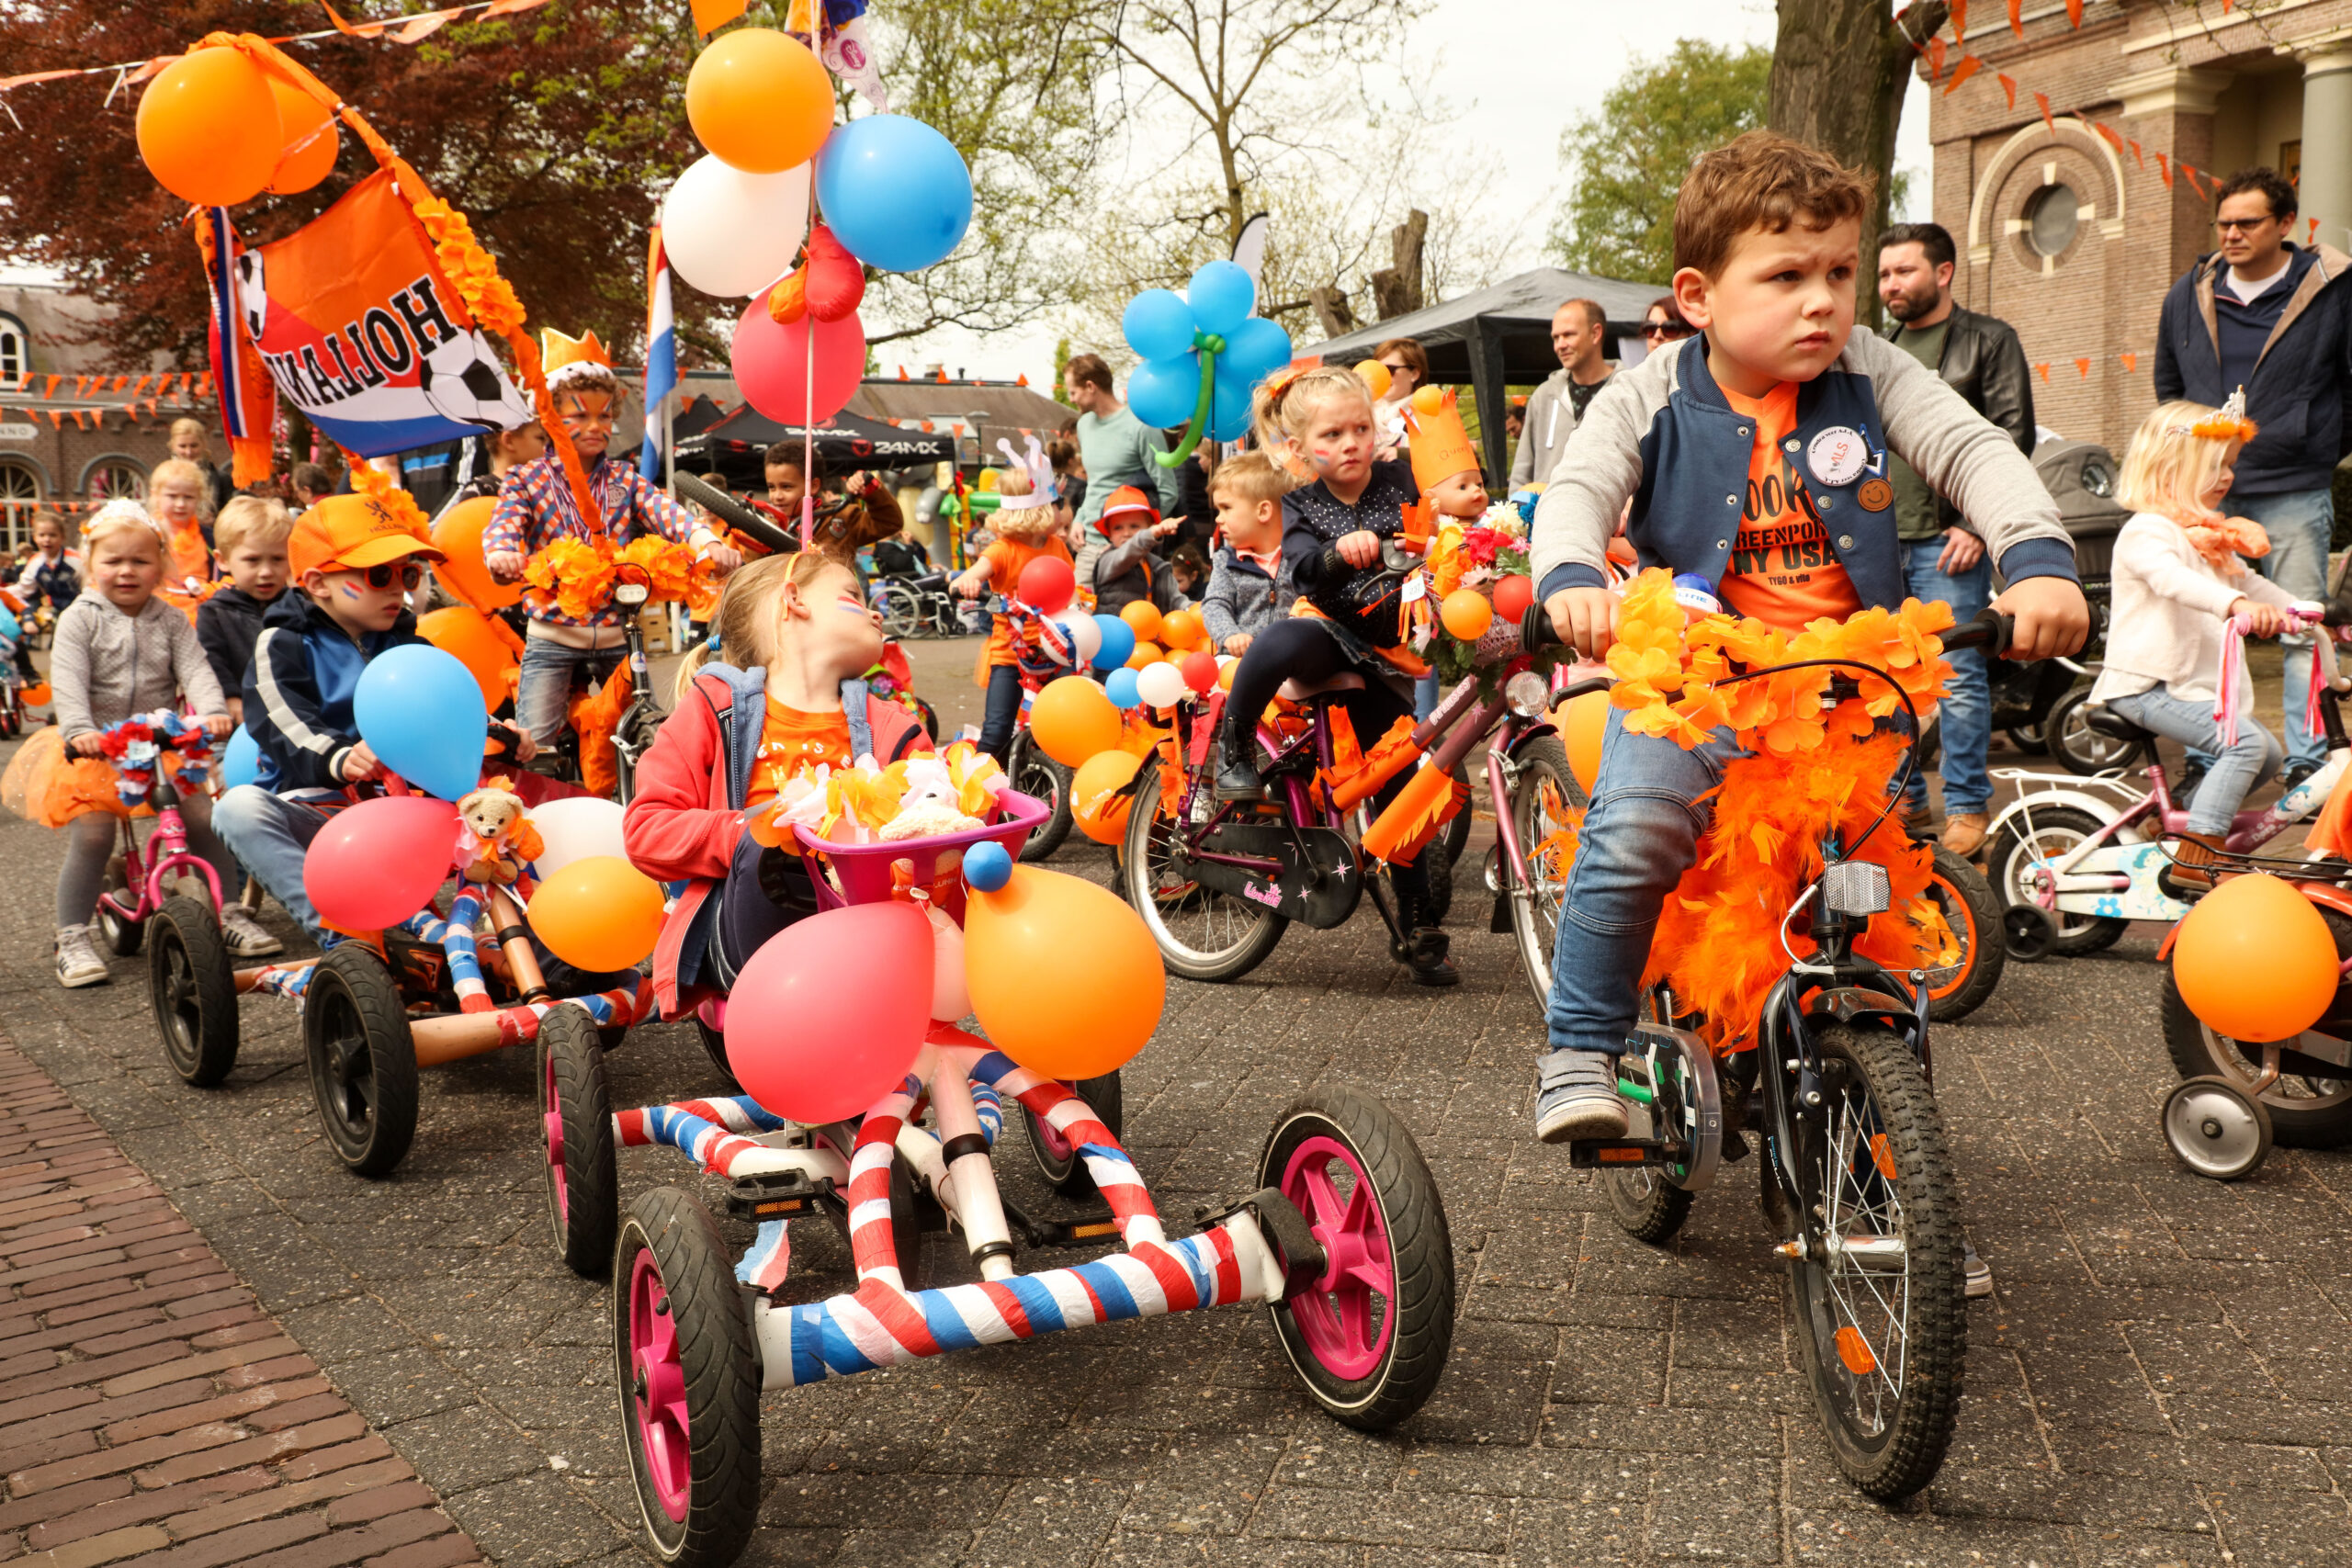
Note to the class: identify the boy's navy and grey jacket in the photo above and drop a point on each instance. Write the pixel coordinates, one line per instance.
(1130, 573)
(228, 624)
(1663, 435)
(298, 694)
(1241, 599)
(2297, 395)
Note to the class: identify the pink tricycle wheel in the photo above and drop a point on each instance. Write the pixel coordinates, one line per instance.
(551, 1118)
(1348, 1314)
(657, 1388)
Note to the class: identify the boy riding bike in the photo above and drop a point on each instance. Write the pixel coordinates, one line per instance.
(1755, 456)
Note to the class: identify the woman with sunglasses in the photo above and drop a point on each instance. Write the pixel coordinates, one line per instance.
(1663, 324)
(1408, 364)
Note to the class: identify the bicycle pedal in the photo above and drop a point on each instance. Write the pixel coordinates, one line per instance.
(1615, 1153)
(776, 1194)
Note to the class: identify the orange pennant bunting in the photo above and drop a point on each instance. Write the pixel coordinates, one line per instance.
(1935, 48)
(2043, 100)
(2131, 361)
(2082, 366)
(2163, 169)
(2017, 17)
(365, 29)
(31, 76)
(2312, 236)
(2043, 370)
(2008, 85)
(2074, 13)
(1967, 67)
(2135, 154)
(1959, 21)
(51, 389)
(2111, 138)
(420, 28)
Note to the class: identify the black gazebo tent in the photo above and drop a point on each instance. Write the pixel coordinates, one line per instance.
(844, 443)
(1499, 335)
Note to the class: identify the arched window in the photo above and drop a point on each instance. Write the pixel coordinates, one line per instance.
(16, 348)
(114, 477)
(19, 497)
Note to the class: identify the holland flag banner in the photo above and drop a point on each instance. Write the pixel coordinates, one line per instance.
(661, 357)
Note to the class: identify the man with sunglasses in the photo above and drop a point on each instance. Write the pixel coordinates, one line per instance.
(2275, 318)
(354, 559)
(1578, 331)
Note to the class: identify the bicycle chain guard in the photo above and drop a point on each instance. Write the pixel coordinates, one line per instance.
(1687, 1104)
(1319, 890)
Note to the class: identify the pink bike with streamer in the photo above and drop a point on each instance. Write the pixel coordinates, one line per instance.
(1344, 1238)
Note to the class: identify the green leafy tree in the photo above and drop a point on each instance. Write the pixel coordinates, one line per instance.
(1626, 161)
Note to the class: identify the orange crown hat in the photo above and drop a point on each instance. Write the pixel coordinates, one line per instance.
(1440, 445)
(344, 532)
(564, 358)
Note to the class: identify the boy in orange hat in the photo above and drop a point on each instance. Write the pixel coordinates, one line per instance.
(354, 561)
(1128, 572)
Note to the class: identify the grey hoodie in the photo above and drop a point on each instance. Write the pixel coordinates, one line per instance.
(107, 666)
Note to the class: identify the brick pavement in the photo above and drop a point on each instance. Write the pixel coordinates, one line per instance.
(151, 1411)
(2153, 1385)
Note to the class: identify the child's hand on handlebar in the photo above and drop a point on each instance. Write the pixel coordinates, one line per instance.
(1585, 618)
(968, 585)
(218, 725)
(516, 739)
(2053, 618)
(2265, 620)
(506, 566)
(726, 557)
(85, 745)
(1359, 549)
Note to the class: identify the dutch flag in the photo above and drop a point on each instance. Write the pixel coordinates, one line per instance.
(661, 357)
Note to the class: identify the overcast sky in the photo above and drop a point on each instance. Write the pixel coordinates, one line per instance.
(1521, 70)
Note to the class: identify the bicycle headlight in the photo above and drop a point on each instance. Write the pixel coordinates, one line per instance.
(1527, 693)
(630, 593)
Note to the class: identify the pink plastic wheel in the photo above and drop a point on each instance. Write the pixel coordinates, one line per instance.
(1348, 1314)
(658, 1393)
(552, 1117)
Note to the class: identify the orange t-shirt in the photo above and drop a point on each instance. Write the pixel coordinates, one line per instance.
(1005, 559)
(186, 557)
(791, 742)
(1782, 570)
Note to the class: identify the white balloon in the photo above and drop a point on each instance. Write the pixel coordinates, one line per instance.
(1161, 685)
(731, 233)
(951, 997)
(1085, 634)
(574, 829)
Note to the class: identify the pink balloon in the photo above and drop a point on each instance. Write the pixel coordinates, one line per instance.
(379, 862)
(827, 1016)
(771, 363)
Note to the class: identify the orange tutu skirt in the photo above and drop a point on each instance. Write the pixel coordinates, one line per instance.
(45, 786)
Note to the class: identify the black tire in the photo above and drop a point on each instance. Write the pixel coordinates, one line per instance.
(576, 1116)
(2055, 830)
(1040, 777)
(1875, 1163)
(193, 991)
(1545, 789)
(1416, 1313)
(363, 1062)
(704, 1378)
(2079, 748)
(123, 937)
(1456, 836)
(2029, 739)
(1648, 1206)
(2305, 1112)
(930, 717)
(1067, 1172)
(1972, 912)
(714, 1045)
(1200, 934)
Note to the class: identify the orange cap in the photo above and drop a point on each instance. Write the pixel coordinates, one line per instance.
(1440, 445)
(1128, 498)
(344, 532)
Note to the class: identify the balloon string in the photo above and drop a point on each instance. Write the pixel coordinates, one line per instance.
(1200, 413)
(809, 441)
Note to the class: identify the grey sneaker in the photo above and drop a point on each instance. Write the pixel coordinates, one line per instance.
(1976, 1270)
(246, 937)
(78, 963)
(1576, 1098)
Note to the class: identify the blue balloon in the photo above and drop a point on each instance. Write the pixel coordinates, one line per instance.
(1119, 643)
(9, 629)
(1222, 295)
(1120, 687)
(895, 191)
(986, 866)
(1158, 325)
(420, 711)
(1253, 351)
(241, 764)
(1163, 392)
(1229, 410)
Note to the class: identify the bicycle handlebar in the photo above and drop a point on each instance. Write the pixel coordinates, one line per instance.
(737, 515)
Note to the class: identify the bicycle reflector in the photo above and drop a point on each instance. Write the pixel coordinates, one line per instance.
(1527, 693)
(1855, 887)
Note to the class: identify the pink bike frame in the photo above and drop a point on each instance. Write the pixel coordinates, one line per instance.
(170, 837)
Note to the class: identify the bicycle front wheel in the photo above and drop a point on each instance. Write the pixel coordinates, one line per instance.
(1201, 934)
(1546, 808)
(1879, 1295)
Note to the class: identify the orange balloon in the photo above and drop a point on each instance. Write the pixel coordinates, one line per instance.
(311, 139)
(466, 635)
(464, 574)
(1064, 976)
(1466, 613)
(1146, 655)
(207, 127)
(1224, 673)
(1429, 400)
(2255, 960)
(1582, 721)
(1095, 803)
(1071, 720)
(1182, 629)
(1143, 615)
(759, 100)
(599, 913)
(1374, 376)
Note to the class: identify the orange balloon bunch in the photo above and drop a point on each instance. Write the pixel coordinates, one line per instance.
(759, 100)
(216, 128)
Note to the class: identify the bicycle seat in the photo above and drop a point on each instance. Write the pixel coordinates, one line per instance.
(1345, 681)
(2114, 726)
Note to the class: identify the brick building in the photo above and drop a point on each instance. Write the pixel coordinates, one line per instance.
(2072, 240)
(71, 463)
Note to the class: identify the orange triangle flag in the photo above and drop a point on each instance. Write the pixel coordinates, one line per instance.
(1025, 375)
(2131, 361)
(1935, 48)
(2043, 100)
(2075, 12)
(50, 390)
(2043, 370)
(2135, 154)
(1969, 66)
(2164, 168)
(2017, 17)
(1960, 20)
(712, 15)
(2083, 367)
(2010, 85)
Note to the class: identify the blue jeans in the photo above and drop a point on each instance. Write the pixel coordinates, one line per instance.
(1002, 712)
(1639, 838)
(1967, 708)
(271, 836)
(1425, 696)
(543, 690)
(2235, 768)
(2300, 523)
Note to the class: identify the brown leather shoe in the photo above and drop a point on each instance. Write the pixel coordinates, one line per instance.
(1964, 833)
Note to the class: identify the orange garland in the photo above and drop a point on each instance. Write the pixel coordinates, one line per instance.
(578, 574)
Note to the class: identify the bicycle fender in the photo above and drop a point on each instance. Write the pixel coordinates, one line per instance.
(2081, 800)
(1847, 1003)
(1529, 735)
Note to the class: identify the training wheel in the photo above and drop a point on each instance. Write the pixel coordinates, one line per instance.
(2216, 1128)
(576, 1117)
(2029, 933)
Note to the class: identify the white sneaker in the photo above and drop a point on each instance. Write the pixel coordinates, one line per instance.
(246, 936)
(1576, 1098)
(78, 963)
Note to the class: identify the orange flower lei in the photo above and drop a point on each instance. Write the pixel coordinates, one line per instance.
(578, 573)
(488, 297)
(388, 492)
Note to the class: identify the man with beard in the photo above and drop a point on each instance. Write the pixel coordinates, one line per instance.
(1979, 357)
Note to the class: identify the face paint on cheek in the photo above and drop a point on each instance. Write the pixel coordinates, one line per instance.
(349, 591)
